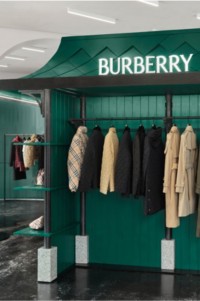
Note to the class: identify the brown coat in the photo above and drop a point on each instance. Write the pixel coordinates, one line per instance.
(185, 183)
(170, 174)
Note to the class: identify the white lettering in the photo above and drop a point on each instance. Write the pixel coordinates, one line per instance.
(173, 63)
(139, 64)
(149, 64)
(103, 67)
(112, 66)
(126, 63)
(160, 64)
(186, 61)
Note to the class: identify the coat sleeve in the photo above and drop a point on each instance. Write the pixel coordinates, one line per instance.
(181, 167)
(12, 154)
(73, 163)
(136, 165)
(106, 166)
(87, 169)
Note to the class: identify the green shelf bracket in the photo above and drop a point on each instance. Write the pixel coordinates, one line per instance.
(30, 232)
(39, 188)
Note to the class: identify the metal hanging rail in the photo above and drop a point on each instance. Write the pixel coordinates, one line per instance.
(83, 194)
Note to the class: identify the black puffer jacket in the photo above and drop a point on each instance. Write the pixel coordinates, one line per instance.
(153, 171)
(91, 168)
(138, 149)
(123, 171)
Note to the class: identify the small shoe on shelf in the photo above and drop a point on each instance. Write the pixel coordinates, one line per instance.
(37, 224)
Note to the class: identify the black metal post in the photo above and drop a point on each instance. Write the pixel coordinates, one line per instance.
(47, 166)
(168, 124)
(83, 194)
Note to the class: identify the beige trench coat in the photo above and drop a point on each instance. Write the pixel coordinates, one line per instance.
(170, 174)
(110, 152)
(185, 184)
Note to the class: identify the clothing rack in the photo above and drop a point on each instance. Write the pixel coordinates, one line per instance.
(167, 120)
(4, 165)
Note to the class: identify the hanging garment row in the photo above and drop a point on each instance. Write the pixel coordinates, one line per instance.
(23, 157)
(129, 168)
(180, 181)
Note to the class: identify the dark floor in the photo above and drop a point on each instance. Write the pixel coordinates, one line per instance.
(18, 277)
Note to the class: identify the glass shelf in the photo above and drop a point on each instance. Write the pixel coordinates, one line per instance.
(40, 144)
(39, 188)
(30, 232)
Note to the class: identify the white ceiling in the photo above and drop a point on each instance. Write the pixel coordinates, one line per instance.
(43, 23)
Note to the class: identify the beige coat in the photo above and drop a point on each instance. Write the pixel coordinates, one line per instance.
(110, 151)
(185, 184)
(198, 192)
(170, 174)
(30, 152)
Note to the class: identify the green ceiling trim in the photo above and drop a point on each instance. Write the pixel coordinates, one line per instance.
(78, 56)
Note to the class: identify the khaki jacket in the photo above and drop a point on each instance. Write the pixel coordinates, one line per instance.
(170, 174)
(185, 183)
(110, 152)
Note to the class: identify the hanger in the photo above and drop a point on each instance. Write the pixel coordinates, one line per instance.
(97, 127)
(153, 126)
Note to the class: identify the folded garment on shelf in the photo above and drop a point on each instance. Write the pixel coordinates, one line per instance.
(37, 224)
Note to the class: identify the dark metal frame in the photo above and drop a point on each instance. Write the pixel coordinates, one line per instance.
(167, 83)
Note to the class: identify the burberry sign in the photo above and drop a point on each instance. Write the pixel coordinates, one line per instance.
(147, 64)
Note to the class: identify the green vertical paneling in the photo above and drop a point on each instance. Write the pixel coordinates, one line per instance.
(187, 245)
(118, 230)
(16, 117)
(63, 203)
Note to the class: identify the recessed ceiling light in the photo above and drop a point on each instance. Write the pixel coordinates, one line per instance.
(15, 58)
(152, 2)
(198, 16)
(91, 16)
(3, 66)
(33, 49)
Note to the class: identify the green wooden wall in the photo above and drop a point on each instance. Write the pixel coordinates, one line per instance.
(16, 117)
(119, 233)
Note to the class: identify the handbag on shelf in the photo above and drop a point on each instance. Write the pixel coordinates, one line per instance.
(40, 177)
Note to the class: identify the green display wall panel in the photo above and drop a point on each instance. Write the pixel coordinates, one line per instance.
(78, 56)
(119, 232)
(17, 118)
(64, 218)
(187, 244)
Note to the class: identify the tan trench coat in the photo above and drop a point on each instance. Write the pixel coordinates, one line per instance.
(170, 174)
(110, 152)
(185, 184)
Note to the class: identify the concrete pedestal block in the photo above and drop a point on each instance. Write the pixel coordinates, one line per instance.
(47, 264)
(82, 249)
(168, 254)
